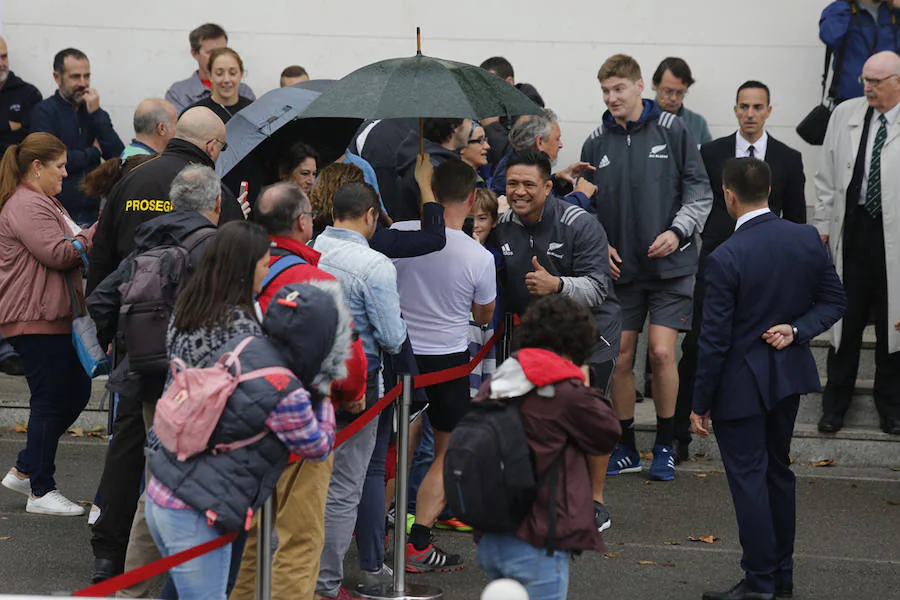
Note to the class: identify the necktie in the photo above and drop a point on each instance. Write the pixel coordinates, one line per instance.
(751, 152)
(873, 190)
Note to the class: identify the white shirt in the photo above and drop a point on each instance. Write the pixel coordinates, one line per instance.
(874, 124)
(437, 291)
(750, 215)
(742, 147)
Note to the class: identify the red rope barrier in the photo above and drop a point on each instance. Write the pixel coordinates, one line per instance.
(125, 580)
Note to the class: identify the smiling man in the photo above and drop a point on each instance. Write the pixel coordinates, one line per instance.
(73, 114)
(652, 198)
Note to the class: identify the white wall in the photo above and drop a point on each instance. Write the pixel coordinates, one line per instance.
(138, 48)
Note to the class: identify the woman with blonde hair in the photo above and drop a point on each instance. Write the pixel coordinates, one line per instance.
(330, 180)
(41, 250)
(226, 70)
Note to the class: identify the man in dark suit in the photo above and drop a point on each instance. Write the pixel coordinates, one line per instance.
(752, 108)
(770, 288)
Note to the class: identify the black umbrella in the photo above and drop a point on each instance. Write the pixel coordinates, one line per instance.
(421, 86)
(261, 132)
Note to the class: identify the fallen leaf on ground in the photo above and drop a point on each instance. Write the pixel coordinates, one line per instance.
(611, 555)
(700, 475)
(823, 463)
(21, 428)
(716, 471)
(97, 434)
(673, 543)
(700, 457)
(667, 564)
(895, 468)
(647, 562)
(647, 455)
(647, 482)
(792, 459)
(706, 539)
(77, 432)
(97, 429)
(5, 537)
(893, 502)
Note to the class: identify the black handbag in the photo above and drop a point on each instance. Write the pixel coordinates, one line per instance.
(814, 125)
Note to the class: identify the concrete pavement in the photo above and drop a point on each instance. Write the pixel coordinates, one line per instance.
(846, 538)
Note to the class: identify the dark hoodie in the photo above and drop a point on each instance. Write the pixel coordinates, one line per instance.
(169, 229)
(141, 195)
(405, 206)
(17, 98)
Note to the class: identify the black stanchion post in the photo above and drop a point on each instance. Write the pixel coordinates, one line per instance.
(264, 550)
(400, 589)
(504, 343)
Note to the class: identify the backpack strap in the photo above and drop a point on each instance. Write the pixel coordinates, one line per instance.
(197, 237)
(278, 267)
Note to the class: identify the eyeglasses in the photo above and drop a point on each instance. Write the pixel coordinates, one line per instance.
(872, 82)
(312, 213)
(479, 140)
(670, 93)
(224, 144)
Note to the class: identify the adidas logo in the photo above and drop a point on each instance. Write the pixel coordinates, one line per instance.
(655, 152)
(604, 162)
(507, 251)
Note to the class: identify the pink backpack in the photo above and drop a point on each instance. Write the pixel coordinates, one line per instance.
(192, 405)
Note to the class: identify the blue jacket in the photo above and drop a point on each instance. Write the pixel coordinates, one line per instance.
(77, 129)
(839, 27)
(771, 271)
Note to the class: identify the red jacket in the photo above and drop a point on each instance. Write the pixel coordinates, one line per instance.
(352, 387)
(575, 420)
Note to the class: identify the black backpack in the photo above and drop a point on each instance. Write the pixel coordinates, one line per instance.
(489, 479)
(148, 299)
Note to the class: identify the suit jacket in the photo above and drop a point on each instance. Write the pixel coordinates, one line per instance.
(771, 271)
(786, 200)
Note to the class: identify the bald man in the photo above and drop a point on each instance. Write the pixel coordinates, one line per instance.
(143, 193)
(17, 98)
(857, 203)
(154, 125)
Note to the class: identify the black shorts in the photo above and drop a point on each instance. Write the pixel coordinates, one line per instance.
(447, 402)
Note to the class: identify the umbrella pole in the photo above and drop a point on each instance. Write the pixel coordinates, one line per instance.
(418, 41)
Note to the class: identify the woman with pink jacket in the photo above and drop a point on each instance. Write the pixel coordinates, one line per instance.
(40, 248)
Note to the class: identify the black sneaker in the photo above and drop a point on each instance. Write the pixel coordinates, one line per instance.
(601, 517)
(431, 559)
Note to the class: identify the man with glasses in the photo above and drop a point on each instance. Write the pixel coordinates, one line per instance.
(671, 81)
(143, 193)
(857, 199)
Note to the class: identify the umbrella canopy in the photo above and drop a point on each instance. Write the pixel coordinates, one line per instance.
(421, 86)
(259, 134)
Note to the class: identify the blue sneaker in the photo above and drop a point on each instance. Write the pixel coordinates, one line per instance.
(624, 459)
(663, 466)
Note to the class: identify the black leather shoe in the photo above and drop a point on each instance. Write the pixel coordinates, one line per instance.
(739, 592)
(105, 568)
(12, 366)
(830, 423)
(890, 425)
(784, 590)
(682, 452)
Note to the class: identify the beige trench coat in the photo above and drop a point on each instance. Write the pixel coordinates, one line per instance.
(832, 180)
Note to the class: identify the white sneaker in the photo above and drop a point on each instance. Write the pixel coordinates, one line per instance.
(94, 514)
(12, 482)
(53, 503)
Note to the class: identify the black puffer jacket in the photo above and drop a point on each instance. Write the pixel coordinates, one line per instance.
(141, 195)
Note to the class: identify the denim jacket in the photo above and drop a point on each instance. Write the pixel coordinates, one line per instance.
(369, 280)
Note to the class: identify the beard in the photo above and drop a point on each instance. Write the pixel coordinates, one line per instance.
(75, 96)
(4, 75)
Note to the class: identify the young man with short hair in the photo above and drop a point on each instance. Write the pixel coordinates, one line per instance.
(671, 82)
(438, 291)
(652, 198)
(203, 40)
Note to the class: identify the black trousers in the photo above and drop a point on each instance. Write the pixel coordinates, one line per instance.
(865, 281)
(123, 470)
(687, 366)
(756, 453)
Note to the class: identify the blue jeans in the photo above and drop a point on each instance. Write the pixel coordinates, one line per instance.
(60, 389)
(504, 556)
(370, 519)
(174, 530)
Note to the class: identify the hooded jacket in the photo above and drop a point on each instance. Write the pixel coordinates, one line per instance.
(560, 415)
(17, 98)
(77, 129)
(405, 206)
(225, 485)
(141, 195)
(571, 244)
(650, 178)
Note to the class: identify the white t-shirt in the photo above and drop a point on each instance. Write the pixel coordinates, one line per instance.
(437, 291)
